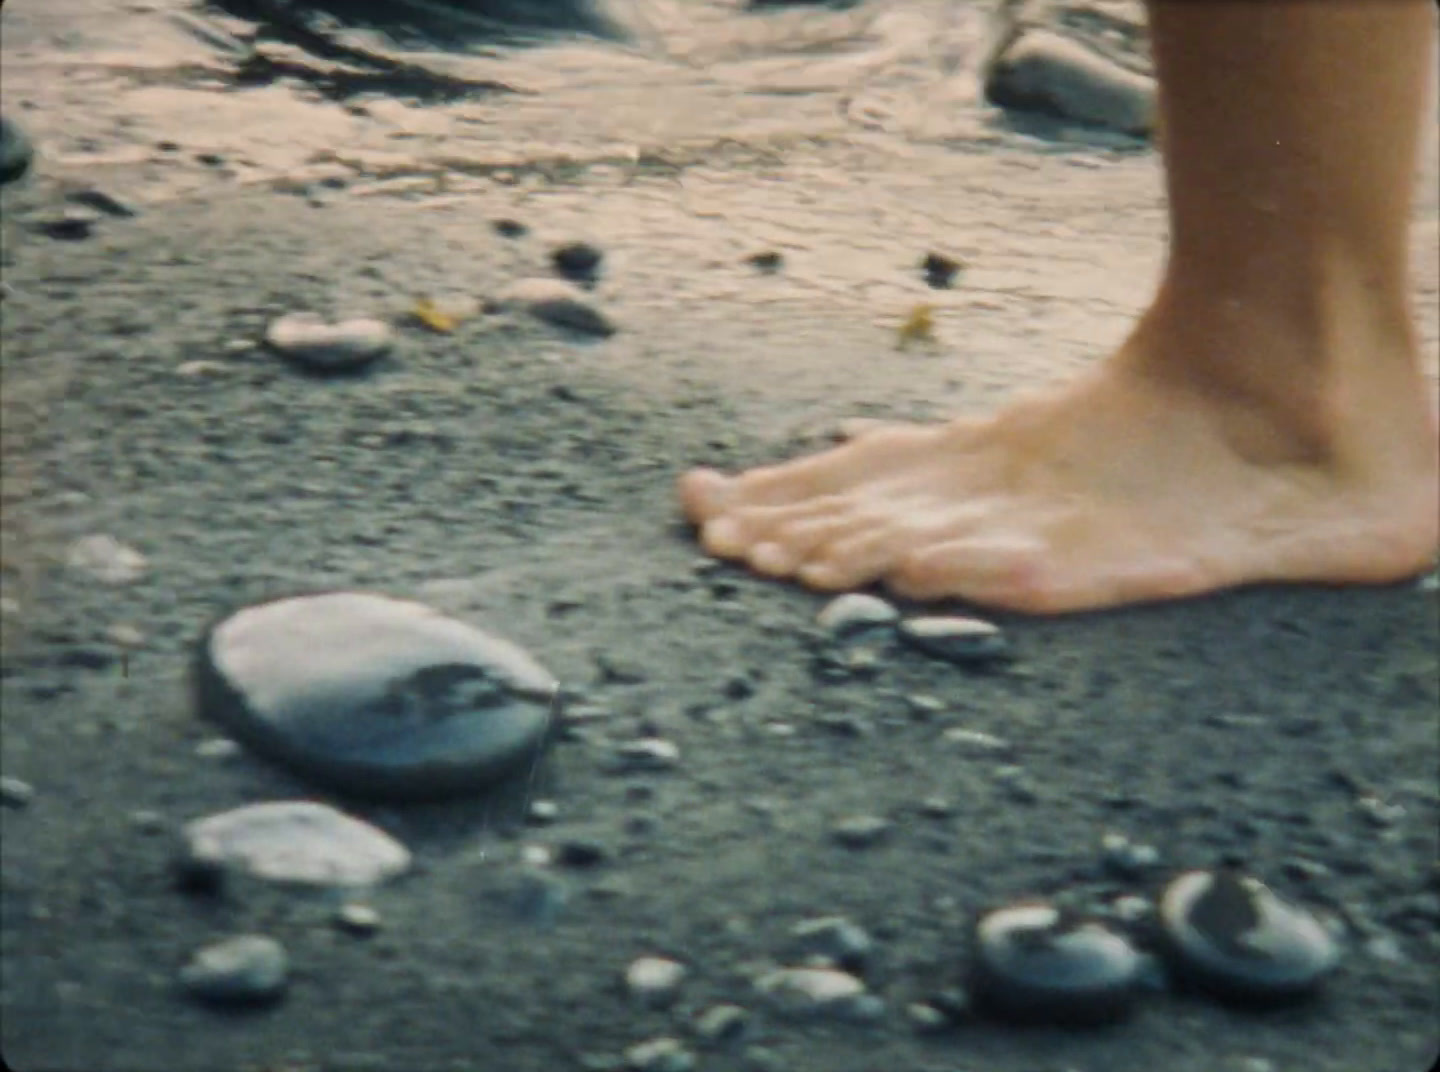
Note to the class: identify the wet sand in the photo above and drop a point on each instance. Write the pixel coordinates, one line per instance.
(521, 478)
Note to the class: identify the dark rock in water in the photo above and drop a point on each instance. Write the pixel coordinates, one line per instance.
(16, 152)
(1044, 72)
(939, 270)
(1230, 935)
(966, 641)
(374, 696)
(579, 261)
(1035, 964)
(248, 970)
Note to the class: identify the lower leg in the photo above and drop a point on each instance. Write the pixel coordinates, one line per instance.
(1265, 420)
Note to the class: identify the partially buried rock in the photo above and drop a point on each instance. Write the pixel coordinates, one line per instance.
(814, 992)
(71, 224)
(1044, 72)
(1230, 935)
(854, 613)
(558, 302)
(965, 641)
(1035, 964)
(374, 696)
(860, 831)
(320, 346)
(300, 841)
(248, 970)
(577, 260)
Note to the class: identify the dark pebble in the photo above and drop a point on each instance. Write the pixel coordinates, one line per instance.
(1231, 936)
(16, 152)
(940, 270)
(1036, 964)
(577, 260)
(374, 696)
(767, 261)
(100, 201)
(510, 228)
(73, 224)
(580, 852)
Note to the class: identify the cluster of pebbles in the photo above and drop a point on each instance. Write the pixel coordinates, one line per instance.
(389, 699)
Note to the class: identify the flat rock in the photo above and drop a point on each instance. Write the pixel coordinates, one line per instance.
(297, 841)
(1230, 935)
(321, 346)
(810, 992)
(965, 641)
(247, 970)
(106, 559)
(1045, 72)
(558, 302)
(856, 612)
(374, 696)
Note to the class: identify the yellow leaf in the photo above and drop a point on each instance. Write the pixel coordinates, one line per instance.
(433, 317)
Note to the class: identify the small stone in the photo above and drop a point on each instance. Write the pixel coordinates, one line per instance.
(509, 228)
(655, 981)
(577, 260)
(975, 742)
(246, 970)
(833, 938)
(659, 1055)
(148, 821)
(1378, 812)
(374, 696)
(581, 852)
(357, 918)
(558, 302)
(807, 992)
(1017, 783)
(302, 842)
(100, 201)
(217, 748)
(15, 793)
(1131, 910)
(936, 808)
(536, 895)
(1035, 964)
(536, 855)
(767, 261)
(1385, 948)
(324, 347)
(1230, 935)
(926, 1019)
(964, 641)
(1044, 72)
(924, 707)
(722, 1025)
(1126, 858)
(855, 612)
(73, 223)
(123, 635)
(542, 812)
(648, 754)
(939, 270)
(106, 559)
(860, 831)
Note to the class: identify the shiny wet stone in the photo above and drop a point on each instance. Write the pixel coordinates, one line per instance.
(1230, 935)
(965, 641)
(248, 970)
(374, 696)
(1035, 964)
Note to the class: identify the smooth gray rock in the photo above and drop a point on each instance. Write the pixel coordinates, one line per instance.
(321, 346)
(374, 696)
(247, 970)
(1045, 72)
(560, 303)
(299, 841)
(965, 641)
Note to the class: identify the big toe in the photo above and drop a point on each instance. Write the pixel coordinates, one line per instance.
(704, 494)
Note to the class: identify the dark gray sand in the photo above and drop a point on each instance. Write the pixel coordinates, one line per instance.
(520, 478)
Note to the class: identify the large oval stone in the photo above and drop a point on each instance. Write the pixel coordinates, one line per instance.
(374, 696)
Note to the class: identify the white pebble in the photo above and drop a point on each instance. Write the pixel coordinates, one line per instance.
(654, 980)
(106, 559)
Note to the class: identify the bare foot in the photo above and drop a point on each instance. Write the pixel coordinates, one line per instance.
(1124, 487)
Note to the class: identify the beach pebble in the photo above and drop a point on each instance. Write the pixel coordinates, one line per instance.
(940, 269)
(1230, 935)
(1126, 858)
(542, 812)
(357, 918)
(855, 612)
(106, 559)
(975, 742)
(966, 641)
(217, 748)
(721, 1024)
(581, 852)
(15, 793)
(73, 223)
(1045, 72)
(659, 1055)
(654, 981)
(860, 831)
(374, 696)
(926, 1018)
(246, 970)
(834, 939)
(647, 754)
(807, 992)
(322, 346)
(557, 302)
(535, 894)
(100, 201)
(579, 261)
(299, 841)
(1034, 964)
